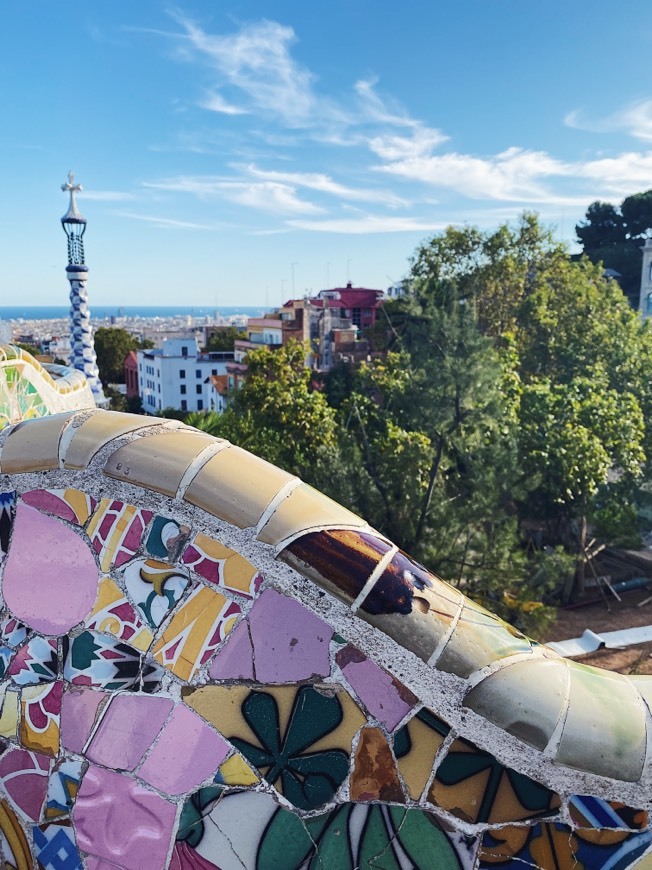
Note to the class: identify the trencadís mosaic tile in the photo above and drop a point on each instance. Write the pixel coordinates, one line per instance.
(164, 703)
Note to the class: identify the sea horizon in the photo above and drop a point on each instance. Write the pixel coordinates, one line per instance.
(101, 312)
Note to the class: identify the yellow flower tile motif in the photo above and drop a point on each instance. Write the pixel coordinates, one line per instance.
(298, 737)
(114, 614)
(116, 530)
(221, 565)
(40, 714)
(9, 714)
(235, 771)
(416, 746)
(195, 631)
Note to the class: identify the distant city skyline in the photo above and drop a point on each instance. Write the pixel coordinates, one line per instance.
(233, 157)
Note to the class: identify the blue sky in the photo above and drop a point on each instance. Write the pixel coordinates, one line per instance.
(230, 150)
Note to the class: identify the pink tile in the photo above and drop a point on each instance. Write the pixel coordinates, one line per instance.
(235, 660)
(43, 547)
(127, 730)
(24, 777)
(78, 713)
(290, 643)
(120, 822)
(382, 694)
(186, 754)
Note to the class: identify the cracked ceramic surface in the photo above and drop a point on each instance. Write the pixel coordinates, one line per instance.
(174, 692)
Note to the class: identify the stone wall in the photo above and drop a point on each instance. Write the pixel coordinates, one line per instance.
(205, 663)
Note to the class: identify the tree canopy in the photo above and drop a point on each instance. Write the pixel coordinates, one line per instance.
(614, 235)
(112, 345)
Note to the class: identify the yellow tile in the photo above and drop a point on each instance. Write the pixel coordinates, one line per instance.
(230, 569)
(236, 486)
(195, 631)
(158, 462)
(9, 715)
(303, 509)
(644, 864)
(33, 445)
(416, 764)
(235, 771)
(97, 431)
(125, 625)
(35, 735)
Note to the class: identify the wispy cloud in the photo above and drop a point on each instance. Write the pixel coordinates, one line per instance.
(323, 183)
(167, 223)
(107, 195)
(214, 102)
(368, 224)
(256, 61)
(268, 196)
(635, 119)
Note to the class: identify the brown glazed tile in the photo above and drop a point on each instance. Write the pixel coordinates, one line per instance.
(97, 431)
(33, 445)
(303, 509)
(236, 486)
(338, 560)
(374, 776)
(411, 605)
(526, 699)
(480, 638)
(604, 731)
(158, 462)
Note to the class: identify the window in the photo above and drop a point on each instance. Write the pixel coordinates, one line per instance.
(198, 389)
(159, 388)
(182, 373)
(184, 405)
(184, 351)
(198, 373)
(183, 389)
(213, 371)
(200, 405)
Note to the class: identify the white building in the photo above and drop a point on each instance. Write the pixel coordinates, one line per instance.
(178, 376)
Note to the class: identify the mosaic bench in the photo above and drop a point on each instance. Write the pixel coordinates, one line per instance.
(206, 663)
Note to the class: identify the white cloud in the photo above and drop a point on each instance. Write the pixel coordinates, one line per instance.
(268, 196)
(106, 195)
(622, 174)
(635, 119)
(214, 102)
(325, 184)
(368, 224)
(256, 60)
(166, 223)
(419, 145)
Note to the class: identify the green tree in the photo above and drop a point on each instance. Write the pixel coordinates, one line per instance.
(223, 339)
(276, 413)
(111, 348)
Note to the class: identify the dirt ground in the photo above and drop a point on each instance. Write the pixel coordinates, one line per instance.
(624, 614)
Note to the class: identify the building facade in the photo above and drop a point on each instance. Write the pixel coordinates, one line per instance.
(177, 375)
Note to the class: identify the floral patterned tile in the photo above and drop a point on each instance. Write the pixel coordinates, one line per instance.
(194, 632)
(155, 588)
(416, 746)
(15, 848)
(222, 566)
(166, 538)
(546, 845)
(474, 786)
(116, 530)
(99, 660)
(40, 717)
(351, 836)
(35, 662)
(297, 737)
(68, 504)
(594, 812)
(12, 632)
(24, 778)
(374, 776)
(114, 614)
